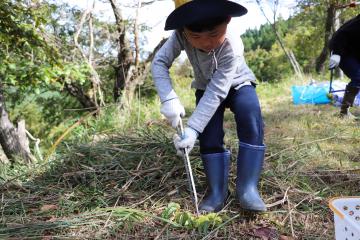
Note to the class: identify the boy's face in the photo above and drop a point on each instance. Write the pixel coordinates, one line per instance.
(209, 40)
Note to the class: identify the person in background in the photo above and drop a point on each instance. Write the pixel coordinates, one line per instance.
(345, 53)
(222, 80)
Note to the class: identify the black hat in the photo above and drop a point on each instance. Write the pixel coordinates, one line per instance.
(191, 11)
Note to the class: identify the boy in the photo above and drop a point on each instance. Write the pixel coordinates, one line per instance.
(345, 47)
(222, 80)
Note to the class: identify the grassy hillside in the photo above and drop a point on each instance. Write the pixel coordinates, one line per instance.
(122, 179)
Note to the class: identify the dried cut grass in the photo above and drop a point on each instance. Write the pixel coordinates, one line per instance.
(119, 185)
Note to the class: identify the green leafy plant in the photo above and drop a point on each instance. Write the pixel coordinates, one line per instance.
(170, 210)
(203, 223)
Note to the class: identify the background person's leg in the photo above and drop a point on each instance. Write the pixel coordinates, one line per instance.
(351, 68)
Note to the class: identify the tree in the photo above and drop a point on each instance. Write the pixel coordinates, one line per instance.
(88, 58)
(124, 69)
(264, 37)
(130, 72)
(329, 23)
(13, 140)
(19, 40)
(29, 61)
(288, 53)
(326, 14)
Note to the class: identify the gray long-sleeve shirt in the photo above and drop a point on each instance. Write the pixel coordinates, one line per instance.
(215, 73)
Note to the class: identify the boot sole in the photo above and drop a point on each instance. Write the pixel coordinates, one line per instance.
(253, 209)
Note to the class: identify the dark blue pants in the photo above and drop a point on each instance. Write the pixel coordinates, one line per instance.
(244, 103)
(351, 68)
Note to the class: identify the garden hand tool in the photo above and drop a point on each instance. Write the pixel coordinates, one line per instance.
(331, 90)
(188, 169)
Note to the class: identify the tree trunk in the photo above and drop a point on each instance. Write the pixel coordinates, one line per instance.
(156, 49)
(3, 158)
(13, 140)
(143, 69)
(330, 20)
(77, 92)
(125, 56)
(95, 78)
(136, 35)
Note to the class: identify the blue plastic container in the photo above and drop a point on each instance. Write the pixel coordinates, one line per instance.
(310, 94)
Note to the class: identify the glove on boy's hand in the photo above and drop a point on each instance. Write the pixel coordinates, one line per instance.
(334, 61)
(186, 141)
(173, 110)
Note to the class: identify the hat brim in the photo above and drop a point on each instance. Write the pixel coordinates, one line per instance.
(198, 10)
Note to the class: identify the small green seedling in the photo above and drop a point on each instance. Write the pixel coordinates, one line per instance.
(203, 223)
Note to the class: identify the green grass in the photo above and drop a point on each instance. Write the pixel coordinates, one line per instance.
(118, 177)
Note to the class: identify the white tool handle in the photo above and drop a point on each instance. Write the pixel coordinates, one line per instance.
(189, 170)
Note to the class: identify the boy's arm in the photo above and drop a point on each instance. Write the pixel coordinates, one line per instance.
(216, 90)
(161, 65)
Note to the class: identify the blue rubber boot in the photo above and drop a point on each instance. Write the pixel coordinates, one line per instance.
(249, 164)
(216, 166)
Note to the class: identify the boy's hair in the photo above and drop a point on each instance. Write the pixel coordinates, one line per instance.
(207, 24)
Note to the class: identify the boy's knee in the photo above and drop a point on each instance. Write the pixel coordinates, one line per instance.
(212, 149)
(251, 130)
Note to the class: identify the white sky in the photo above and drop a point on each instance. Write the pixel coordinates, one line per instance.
(154, 15)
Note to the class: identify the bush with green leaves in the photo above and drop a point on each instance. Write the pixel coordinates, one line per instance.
(268, 66)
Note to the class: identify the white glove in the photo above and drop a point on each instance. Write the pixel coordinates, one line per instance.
(173, 110)
(186, 141)
(334, 61)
